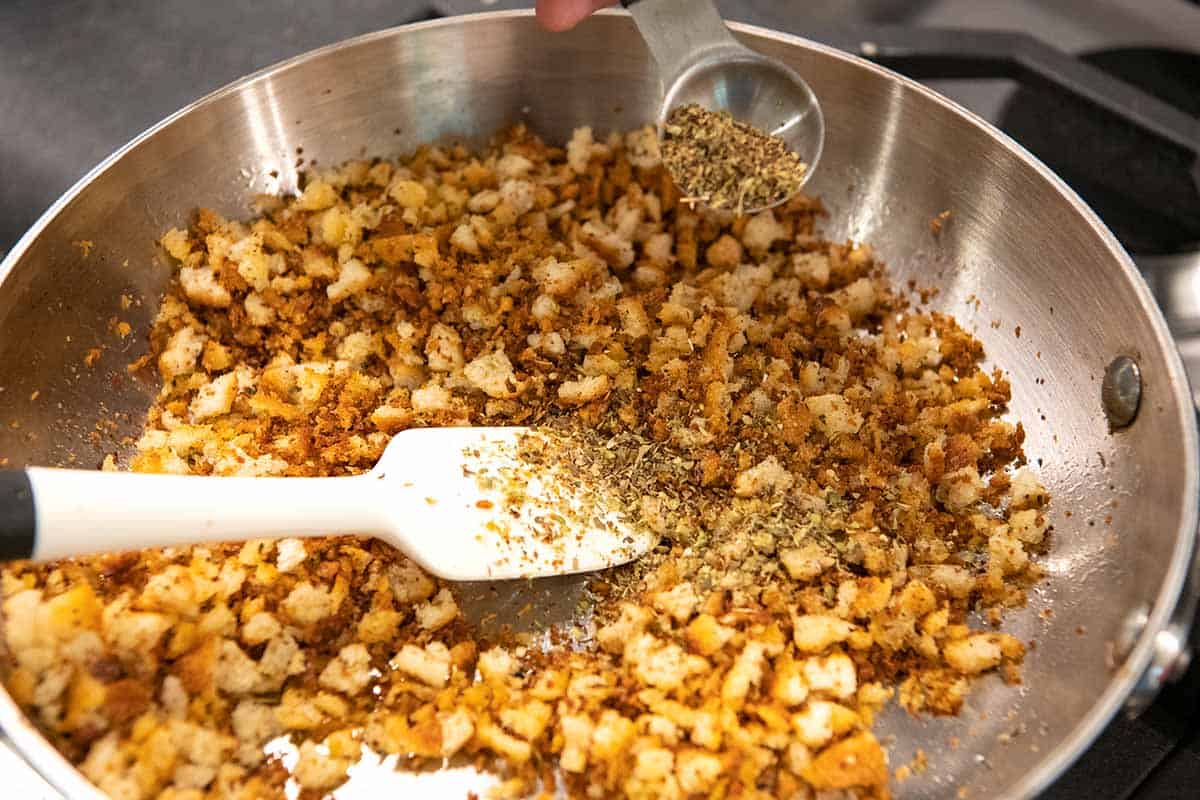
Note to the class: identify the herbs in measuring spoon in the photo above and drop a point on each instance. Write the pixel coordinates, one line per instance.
(723, 163)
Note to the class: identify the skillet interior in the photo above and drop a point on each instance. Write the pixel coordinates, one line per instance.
(896, 155)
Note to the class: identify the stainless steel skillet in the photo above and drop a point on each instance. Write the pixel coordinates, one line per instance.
(896, 155)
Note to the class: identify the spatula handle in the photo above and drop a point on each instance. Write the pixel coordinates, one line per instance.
(56, 513)
(18, 522)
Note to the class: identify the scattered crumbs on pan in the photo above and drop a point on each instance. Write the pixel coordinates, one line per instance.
(938, 223)
(917, 766)
(119, 327)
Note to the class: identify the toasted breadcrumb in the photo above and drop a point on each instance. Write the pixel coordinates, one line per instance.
(827, 469)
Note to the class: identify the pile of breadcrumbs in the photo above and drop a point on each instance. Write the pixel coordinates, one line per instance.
(833, 484)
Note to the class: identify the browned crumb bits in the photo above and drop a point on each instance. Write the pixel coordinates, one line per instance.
(829, 472)
(939, 222)
(726, 164)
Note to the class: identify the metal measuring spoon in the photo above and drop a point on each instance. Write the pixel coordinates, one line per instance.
(700, 62)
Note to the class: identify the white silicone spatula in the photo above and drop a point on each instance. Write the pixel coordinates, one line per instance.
(461, 502)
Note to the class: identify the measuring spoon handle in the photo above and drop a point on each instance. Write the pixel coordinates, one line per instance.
(679, 33)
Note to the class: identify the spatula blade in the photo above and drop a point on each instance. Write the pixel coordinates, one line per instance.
(467, 506)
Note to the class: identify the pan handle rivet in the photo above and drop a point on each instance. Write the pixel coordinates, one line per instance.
(1121, 391)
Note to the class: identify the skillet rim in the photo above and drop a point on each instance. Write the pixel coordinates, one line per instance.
(65, 777)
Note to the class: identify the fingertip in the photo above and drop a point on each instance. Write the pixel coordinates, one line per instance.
(562, 15)
(559, 16)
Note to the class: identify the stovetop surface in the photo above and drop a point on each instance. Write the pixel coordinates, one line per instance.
(78, 79)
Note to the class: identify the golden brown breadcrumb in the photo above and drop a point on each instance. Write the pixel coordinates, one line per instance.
(828, 470)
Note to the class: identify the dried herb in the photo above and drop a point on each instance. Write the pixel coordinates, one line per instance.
(723, 163)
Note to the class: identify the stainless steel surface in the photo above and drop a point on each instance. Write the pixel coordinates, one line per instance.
(1175, 281)
(1023, 251)
(699, 61)
(1171, 655)
(1131, 631)
(1121, 391)
(1172, 652)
